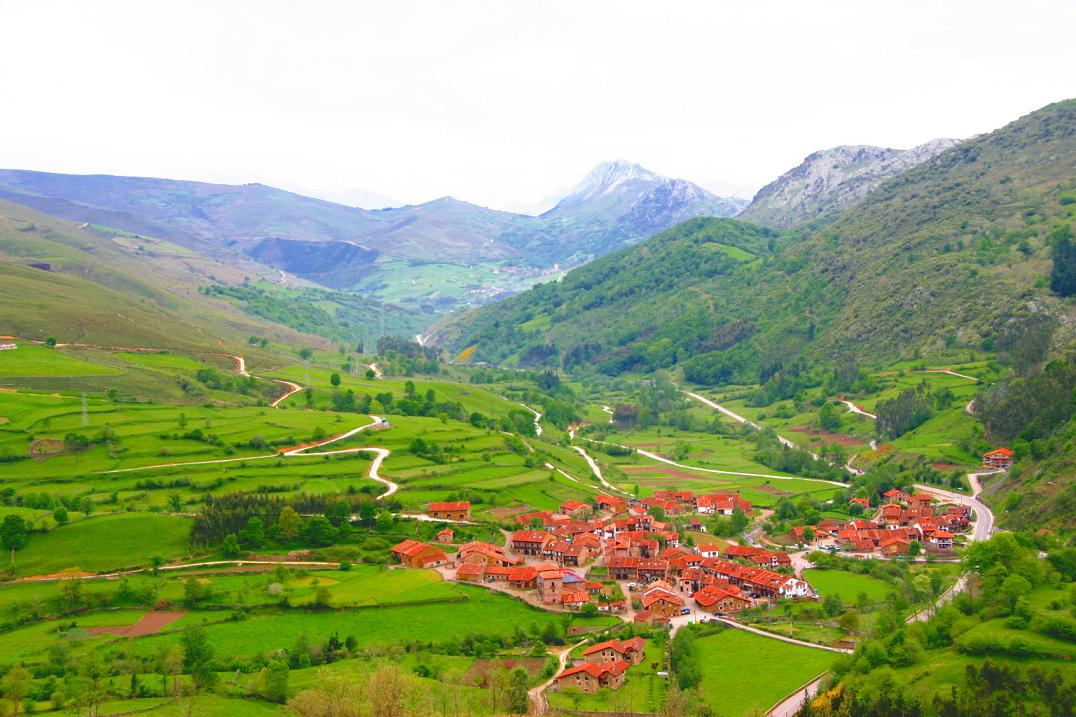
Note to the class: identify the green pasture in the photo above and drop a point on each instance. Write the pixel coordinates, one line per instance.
(36, 360)
(848, 586)
(742, 672)
(106, 542)
(477, 612)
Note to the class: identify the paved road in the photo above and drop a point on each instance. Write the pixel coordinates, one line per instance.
(380, 454)
(856, 409)
(182, 566)
(293, 388)
(539, 703)
(790, 706)
(737, 417)
(537, 418)
(984, 518)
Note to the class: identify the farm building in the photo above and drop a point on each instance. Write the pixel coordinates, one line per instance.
(460, 510)
(999, 459)
(415, 554)
(589, 676)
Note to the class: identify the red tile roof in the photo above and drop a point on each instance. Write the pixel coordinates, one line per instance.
(452, 506)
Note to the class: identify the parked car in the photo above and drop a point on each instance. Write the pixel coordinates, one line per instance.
(685, 611)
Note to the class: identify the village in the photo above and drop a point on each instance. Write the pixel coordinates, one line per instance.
(615, 556)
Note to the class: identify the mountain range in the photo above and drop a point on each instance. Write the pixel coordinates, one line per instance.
(833, 179)
(616, 204)
(954, 250)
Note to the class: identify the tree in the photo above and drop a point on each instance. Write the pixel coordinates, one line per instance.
(273, 682)
(252, 536)
(832, 605)
(197, 657)
(334, 379)
(849, 621)
(13, 534)
(914, 548)
(60, 515)
(71, 592)
(93, 683)
(738, 521)
(829, 420)
(384, 521)
(318, 531)
(230, 548)
(338, 513)
(51, 342)
(289, 523)
(809, 534)
(193, 591)
(14, 687)
(305, 354)
(1063, 273)
(517, 692)
(85, 505)
(175, 503)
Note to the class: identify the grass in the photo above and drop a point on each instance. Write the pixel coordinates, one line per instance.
(642, 691)
(35, 360)
(478, 612)
(846, 585)
(104, 542)
(742, 672)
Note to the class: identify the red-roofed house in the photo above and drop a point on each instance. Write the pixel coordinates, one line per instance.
(471, 572)
(460, 510)
(530, 542)
(445, 536)
(415, 554)
(662, 602)
(574, 508)
(999, 459)
(523, 578)
(942, 540)
(589, 676)
(613, 650)
(714, 599)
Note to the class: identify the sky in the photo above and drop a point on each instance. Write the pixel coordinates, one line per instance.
(504, 103)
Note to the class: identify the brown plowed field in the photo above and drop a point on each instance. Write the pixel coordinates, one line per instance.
(148, 624)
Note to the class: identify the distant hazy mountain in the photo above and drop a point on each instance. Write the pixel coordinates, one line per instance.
(954, 247)
(616, 204)
(833, 179)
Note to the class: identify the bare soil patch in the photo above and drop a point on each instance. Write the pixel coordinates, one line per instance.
(148, 624)
(770, 489)
(944, 466)
(480, 671)
(508, 512)
(663, 471)
(4, 419)
(842, 438)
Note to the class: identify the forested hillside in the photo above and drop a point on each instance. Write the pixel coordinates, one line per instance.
(958, 251)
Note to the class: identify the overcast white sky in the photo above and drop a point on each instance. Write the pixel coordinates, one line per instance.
(501, 102)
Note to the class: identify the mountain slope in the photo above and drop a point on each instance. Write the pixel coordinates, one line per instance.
(831, 180)
(947, 251)
(119, 289)
(616, 204)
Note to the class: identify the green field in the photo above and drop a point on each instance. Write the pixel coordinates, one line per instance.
(106, 542)
(475, 611)
(742, 672)
(848, 586)
(35, 360)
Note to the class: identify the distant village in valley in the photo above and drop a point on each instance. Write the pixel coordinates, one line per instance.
(626, 557)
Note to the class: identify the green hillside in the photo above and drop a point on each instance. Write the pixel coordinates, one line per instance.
(943, 255)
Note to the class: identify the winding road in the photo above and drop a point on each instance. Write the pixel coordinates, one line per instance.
(539, 703)
(380, 454)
